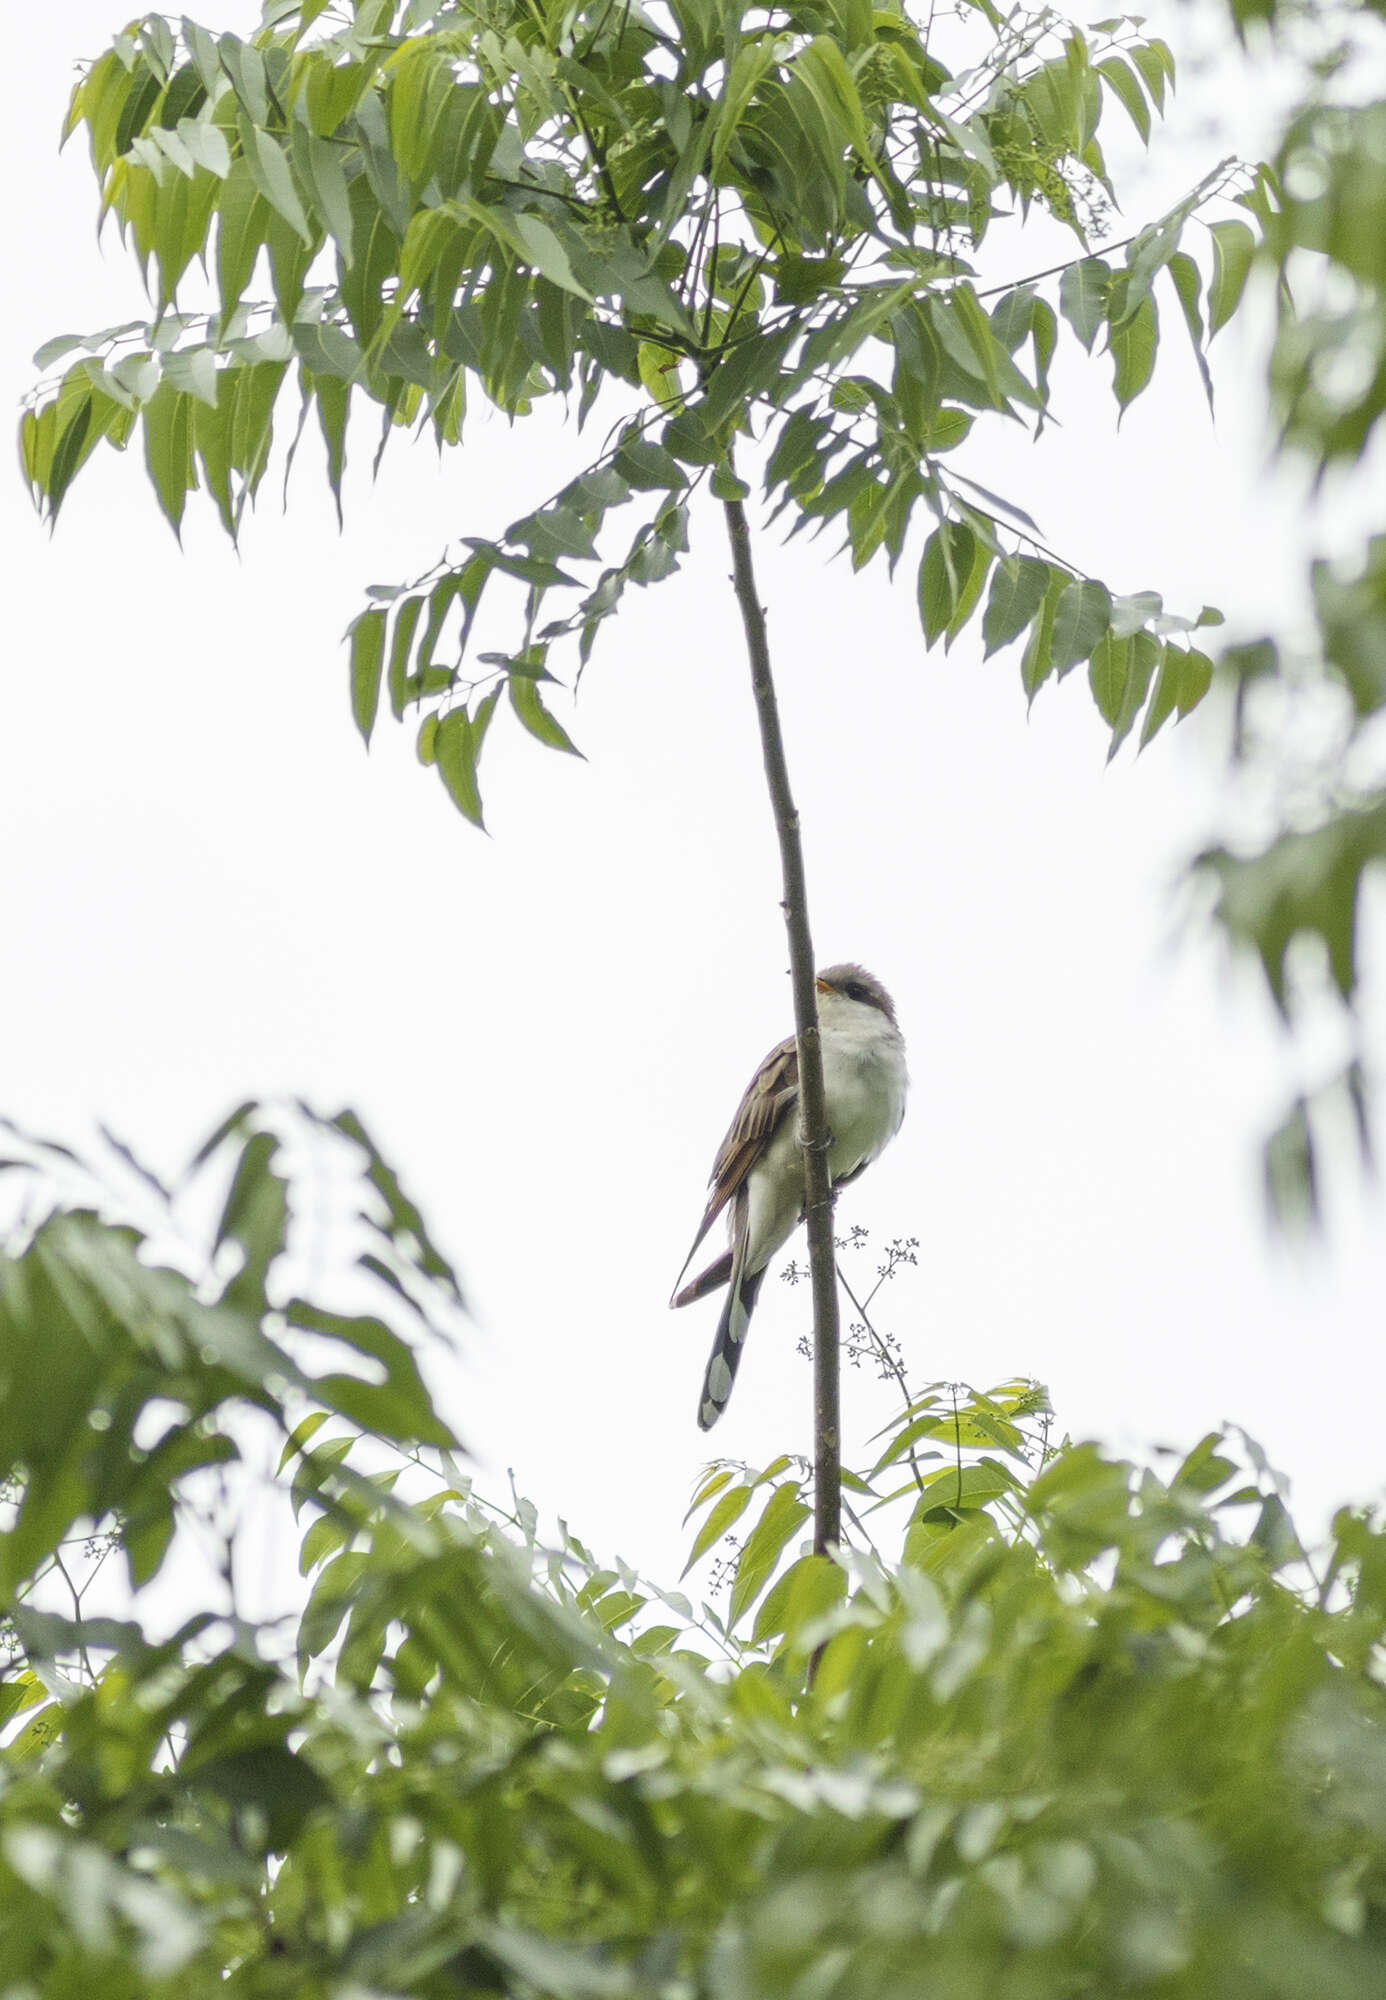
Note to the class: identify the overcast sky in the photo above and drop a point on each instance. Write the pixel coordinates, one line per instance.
(213, 892)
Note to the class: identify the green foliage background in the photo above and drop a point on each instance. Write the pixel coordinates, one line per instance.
(1052, 1724)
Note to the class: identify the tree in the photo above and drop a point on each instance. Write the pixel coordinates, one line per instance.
(1076, 1727)
(763, 226)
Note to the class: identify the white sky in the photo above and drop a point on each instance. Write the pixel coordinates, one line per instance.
(213, 892)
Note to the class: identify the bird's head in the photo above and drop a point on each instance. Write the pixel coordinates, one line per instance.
(854, 983)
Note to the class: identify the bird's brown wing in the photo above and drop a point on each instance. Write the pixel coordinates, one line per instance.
(770, 1095)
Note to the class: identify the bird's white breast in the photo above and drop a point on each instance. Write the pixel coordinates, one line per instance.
(864, 1083)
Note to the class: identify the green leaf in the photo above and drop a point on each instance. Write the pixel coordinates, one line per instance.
(1130, 614)
(809, 1588)
(1142, 655)
(1107, 674)
(320, 162)
(1156, 65)
(945, 571)
(785, 1512)
(1037, 661)
(406, 619)
(1183, 680)
(194, 371)
(1150, 252)
(1082, 615)
(457, 752)
(646, 466)
(969, 590)
(333, 398)
(725, 483)
(1083, 293)
(255, 1216)
(243, 215)
(68, 453)
(327, 350)
(367, 635)
(969, 338)
(1188, 282)
(1017, 590)
(729, 1509)
(273, 176)
(252, 427)
(1054, 96)
(1234, 246)
(1132, 345)
(58, 349)
(206, 145)
(396, 1407)
(1291, 1173)
(246, 68)
(743, 77)
(1122, 82)
(168, 449)
(528, 704)
(546, 252)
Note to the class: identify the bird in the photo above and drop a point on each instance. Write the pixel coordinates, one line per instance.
(758, 1174)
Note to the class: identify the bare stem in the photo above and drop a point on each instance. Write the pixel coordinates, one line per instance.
(813, 1123)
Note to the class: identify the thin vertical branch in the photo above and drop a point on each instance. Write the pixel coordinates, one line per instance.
(813, 1126)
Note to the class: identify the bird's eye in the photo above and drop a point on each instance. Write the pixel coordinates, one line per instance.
(854, 990)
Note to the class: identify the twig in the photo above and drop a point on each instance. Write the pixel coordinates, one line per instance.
(887, 1360)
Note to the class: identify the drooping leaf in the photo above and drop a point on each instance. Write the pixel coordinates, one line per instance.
(528, 704)
(1121, 80)
(243, 215)
(1083, 293)
(785, 1512)
(728, 1510)
(1156, 66)
(1184, 678)
(1234, 246)
(1132, 344)
(457, 752)
(406, 617)
(1037, 661)
(168, 449)
(1017, 589)
(273, 176)
(1187, 281)
(367, 635)
(1081, 616)
(945, 572)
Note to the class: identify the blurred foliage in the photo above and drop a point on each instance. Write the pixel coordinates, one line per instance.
(735, 223)
(1053, 1724)
(1308, 716)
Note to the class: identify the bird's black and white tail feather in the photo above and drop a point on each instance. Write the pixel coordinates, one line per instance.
(740, 1303)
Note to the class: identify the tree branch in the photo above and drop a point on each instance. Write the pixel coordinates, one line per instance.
(813, 1124)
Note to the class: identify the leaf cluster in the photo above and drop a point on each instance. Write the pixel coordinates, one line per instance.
(733, 222)
(1088, 1729)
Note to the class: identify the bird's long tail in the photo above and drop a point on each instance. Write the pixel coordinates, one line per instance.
(726, 1348)
(707, 1281)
